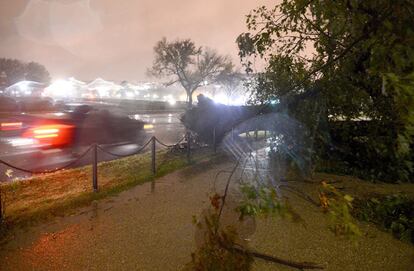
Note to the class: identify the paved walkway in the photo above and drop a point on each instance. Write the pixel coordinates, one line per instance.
(141, 230)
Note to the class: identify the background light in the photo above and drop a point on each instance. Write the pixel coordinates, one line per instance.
(60, 88)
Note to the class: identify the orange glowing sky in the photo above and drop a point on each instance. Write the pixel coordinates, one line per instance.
(113, 39)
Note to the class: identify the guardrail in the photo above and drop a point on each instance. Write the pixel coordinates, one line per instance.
(153, 141)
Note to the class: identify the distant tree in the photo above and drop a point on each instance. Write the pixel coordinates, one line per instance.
(13, 70)
(16, 70)
(37, 72)
(231, 81)
(181, 61)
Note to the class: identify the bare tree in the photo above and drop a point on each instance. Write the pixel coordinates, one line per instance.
(231, 81)
(181, 61)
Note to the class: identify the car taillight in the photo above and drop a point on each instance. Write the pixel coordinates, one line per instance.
(45, 132)
(7, 126)
(51, 134)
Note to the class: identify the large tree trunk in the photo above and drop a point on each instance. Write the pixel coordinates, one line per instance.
(190, 99)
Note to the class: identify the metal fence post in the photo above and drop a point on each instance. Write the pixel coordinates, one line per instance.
(188, 146)
(214, 139)
(153, 155)
(95, 168)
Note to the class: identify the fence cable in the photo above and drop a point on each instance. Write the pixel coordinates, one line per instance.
(71, 163)
(172, 145)
(125, 155)
(98, 147)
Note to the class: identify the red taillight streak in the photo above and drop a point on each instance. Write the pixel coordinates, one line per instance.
(51, 134)
(45, 131)
(45, 136)
(10, 125)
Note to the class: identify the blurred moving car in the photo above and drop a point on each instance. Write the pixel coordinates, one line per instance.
(81, 126)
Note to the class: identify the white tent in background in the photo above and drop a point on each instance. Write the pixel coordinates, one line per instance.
(79, 87)
(147, 85)
(104, 88)
(128, 91)
(25, 88)
(130, 86)
(76, 82)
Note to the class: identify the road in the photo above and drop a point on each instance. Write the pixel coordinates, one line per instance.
(165, 126)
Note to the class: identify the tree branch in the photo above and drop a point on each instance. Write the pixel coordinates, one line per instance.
(273, 259)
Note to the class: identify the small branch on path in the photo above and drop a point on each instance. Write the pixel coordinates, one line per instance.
(273, 259)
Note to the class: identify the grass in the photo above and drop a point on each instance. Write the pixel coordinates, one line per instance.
(44, 196)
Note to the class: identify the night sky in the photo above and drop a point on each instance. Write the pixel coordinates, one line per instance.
(113, 39)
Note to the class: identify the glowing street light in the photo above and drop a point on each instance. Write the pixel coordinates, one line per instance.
(60, 88)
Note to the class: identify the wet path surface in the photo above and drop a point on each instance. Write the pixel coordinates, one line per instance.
(144, 230)
(138, 230)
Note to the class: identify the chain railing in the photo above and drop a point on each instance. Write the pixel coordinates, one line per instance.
(68, 165)
(124, 155)
(95, 148)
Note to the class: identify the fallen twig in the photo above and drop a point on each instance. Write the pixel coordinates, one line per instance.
(273, 259)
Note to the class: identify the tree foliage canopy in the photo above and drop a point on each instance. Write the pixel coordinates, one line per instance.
(16, 70)
(183, 62)
(356, 57)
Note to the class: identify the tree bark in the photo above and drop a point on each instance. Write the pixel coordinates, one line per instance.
(190, 99)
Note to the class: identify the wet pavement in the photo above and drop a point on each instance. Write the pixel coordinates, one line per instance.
(144, 230)
(137, 230)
